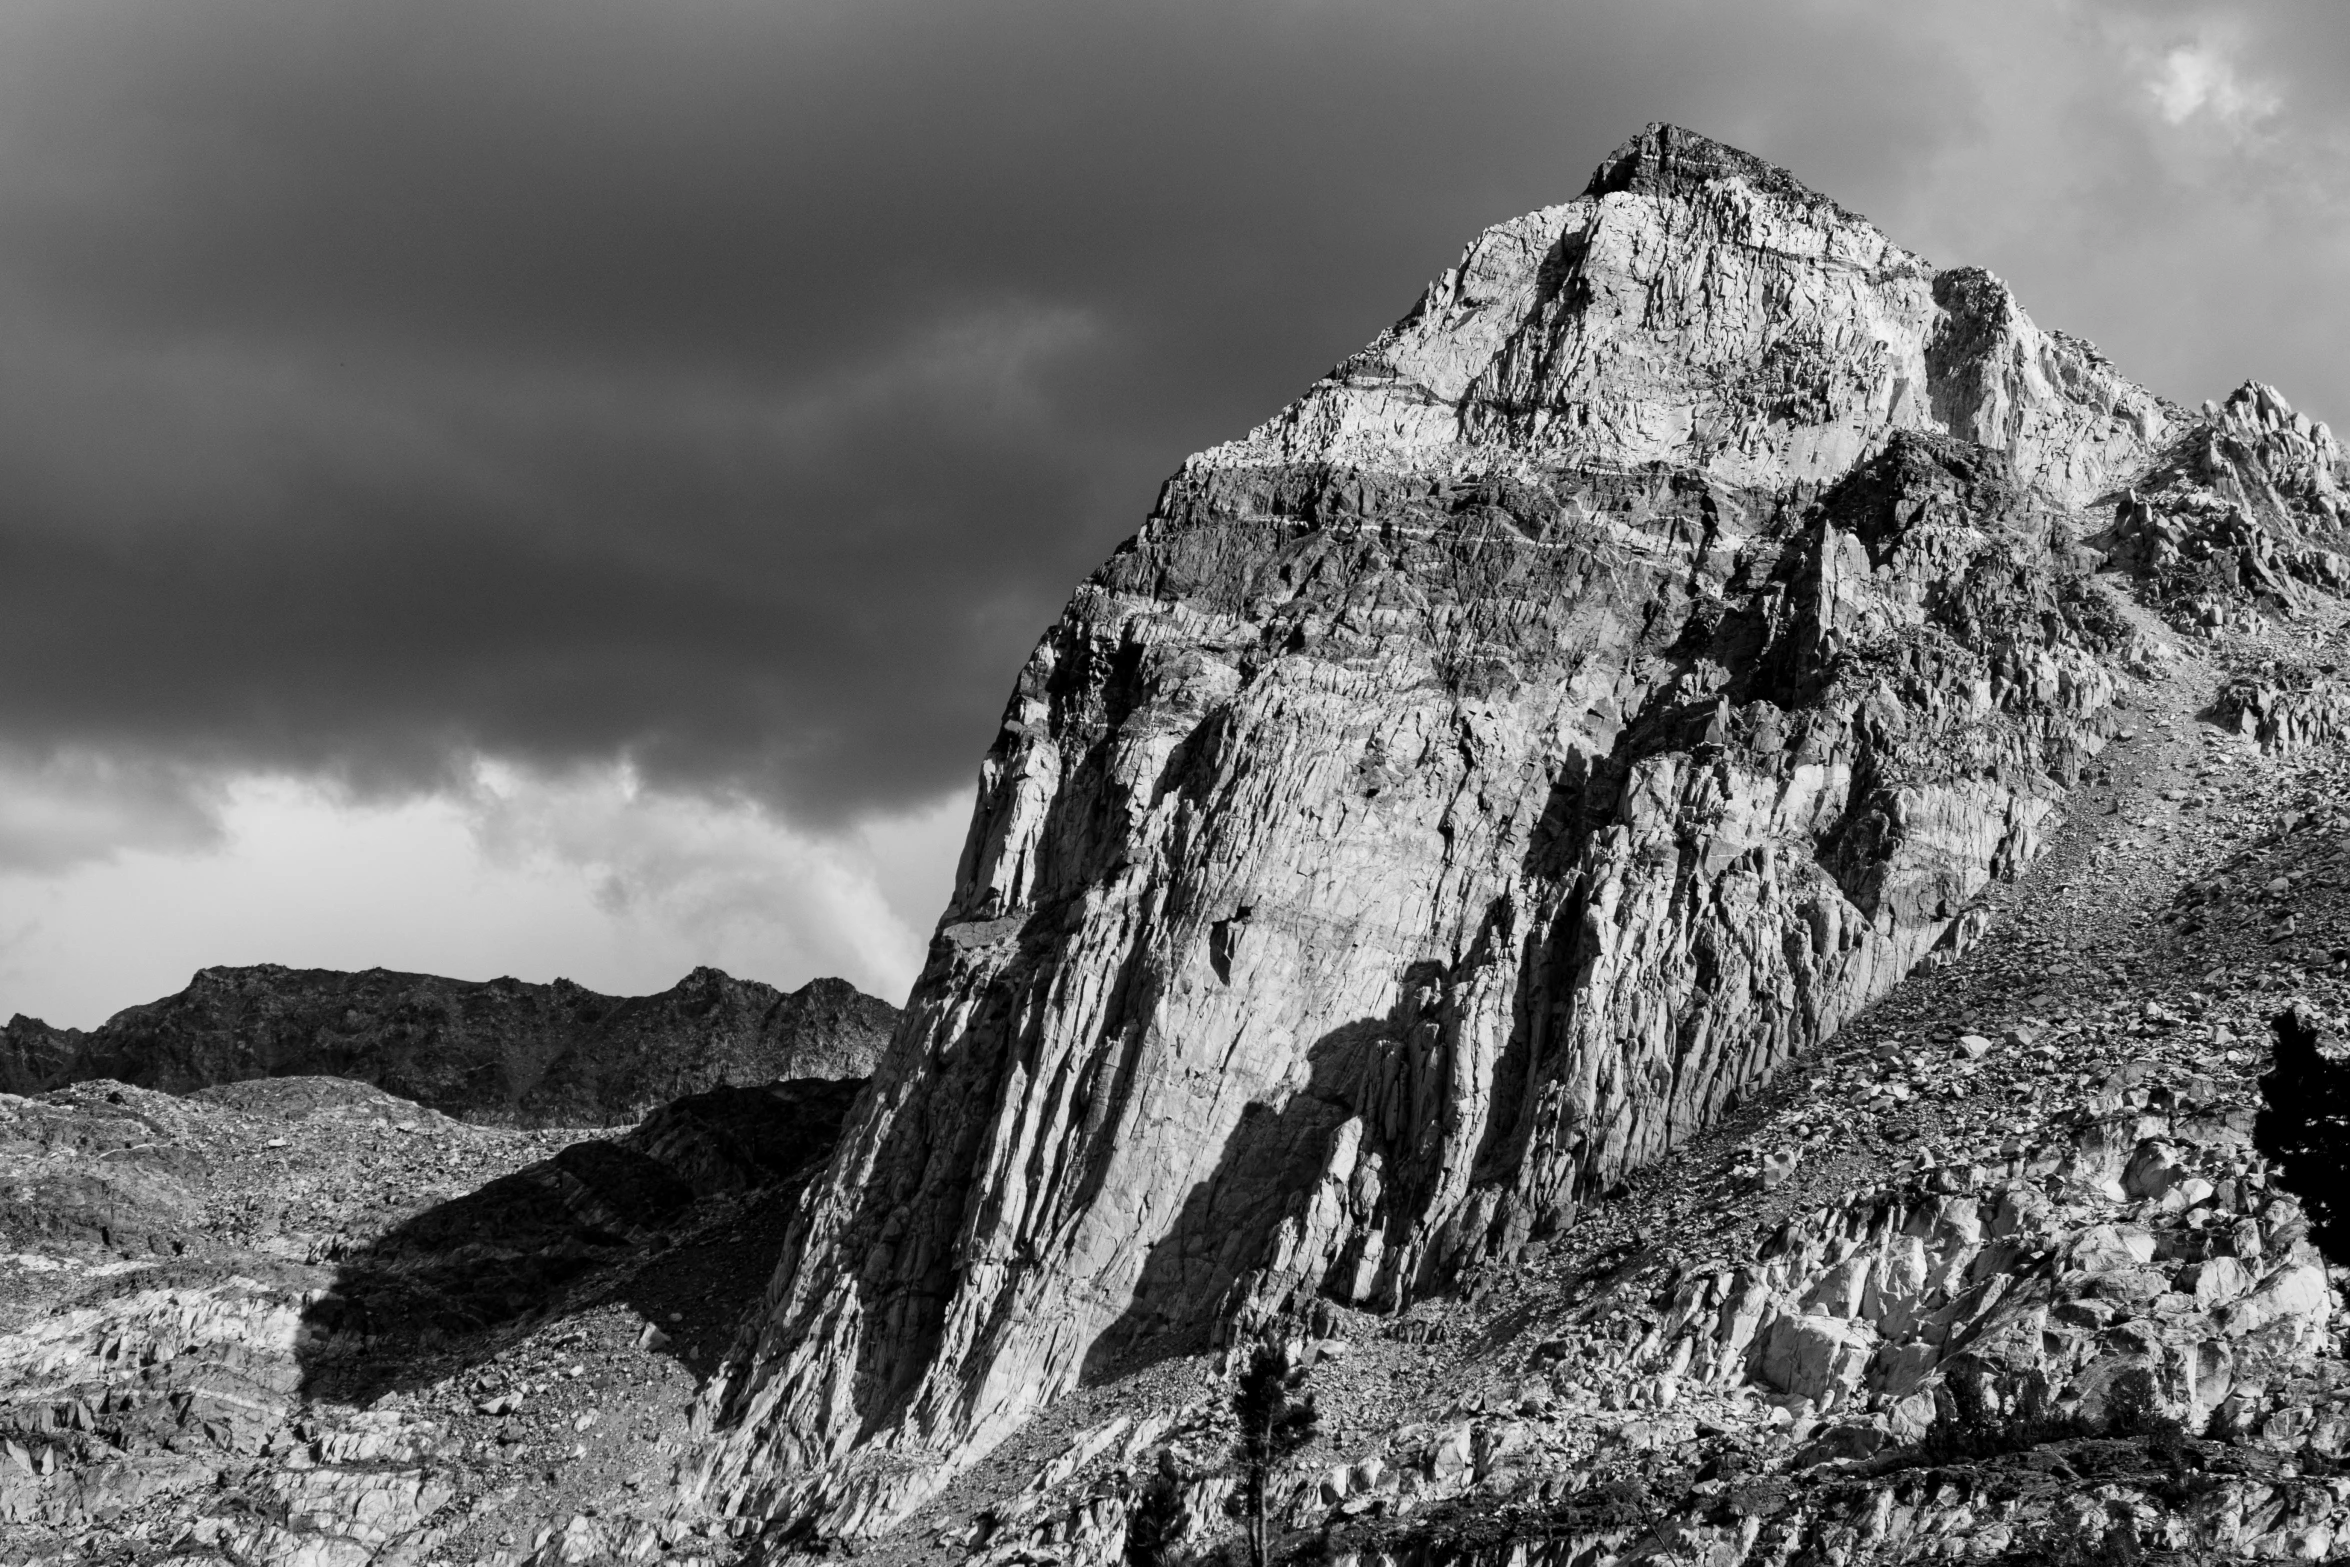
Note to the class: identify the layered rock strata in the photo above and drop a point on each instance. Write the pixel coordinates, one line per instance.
(502, 1050)
(1463, 788)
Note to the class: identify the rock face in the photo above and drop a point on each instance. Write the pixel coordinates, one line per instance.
(1996, 1274)
(541, 1055)
(1700, 309)
(1462, 790)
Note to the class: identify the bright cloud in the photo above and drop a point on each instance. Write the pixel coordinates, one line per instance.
(2199, 79)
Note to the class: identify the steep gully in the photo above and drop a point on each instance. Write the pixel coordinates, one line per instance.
(1466, 788)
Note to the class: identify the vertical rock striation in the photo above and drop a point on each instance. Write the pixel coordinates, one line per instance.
(1464, 787)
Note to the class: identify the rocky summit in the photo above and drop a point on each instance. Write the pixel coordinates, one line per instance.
(1702, 898)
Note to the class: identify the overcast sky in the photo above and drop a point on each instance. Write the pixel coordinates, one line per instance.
(563, 487)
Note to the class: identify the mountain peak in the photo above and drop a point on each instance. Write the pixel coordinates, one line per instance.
(1665, 160)
(1702, 308)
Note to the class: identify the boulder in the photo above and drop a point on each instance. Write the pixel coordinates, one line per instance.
(1816, 1357)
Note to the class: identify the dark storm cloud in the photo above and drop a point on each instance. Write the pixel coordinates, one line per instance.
(742, 387)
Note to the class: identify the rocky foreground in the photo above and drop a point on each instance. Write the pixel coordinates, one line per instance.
(1679, 885)
(301, 1320)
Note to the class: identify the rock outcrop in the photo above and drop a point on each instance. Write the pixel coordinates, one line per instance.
(1462, 790)
(505, 1051)
(2245, 514)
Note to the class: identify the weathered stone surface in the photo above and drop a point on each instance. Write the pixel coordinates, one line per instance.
(1700, 308)
(1462, 789)
(505, 1051)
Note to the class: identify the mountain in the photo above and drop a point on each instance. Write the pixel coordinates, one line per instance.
(502, 1050)
(1477, 782)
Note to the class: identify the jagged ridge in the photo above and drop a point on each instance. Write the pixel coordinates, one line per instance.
(502, 1050)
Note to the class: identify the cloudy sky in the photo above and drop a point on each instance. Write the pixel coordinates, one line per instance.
(562, 487)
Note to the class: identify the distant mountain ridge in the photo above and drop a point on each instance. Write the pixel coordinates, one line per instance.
(496, 1050)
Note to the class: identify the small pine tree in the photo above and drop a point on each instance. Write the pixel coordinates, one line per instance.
(2304, 1129)
(1277, 1418)
(1155, 1527)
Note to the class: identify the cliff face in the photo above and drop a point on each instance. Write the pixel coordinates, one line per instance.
(1463, 789)
(546, 1055)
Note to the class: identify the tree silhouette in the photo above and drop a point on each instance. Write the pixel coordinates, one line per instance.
(2303, 1129)
(1276, 1417)
(1154, 1529)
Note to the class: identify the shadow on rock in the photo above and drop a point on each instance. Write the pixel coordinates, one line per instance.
(1225, 1257)
(681, 1218)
